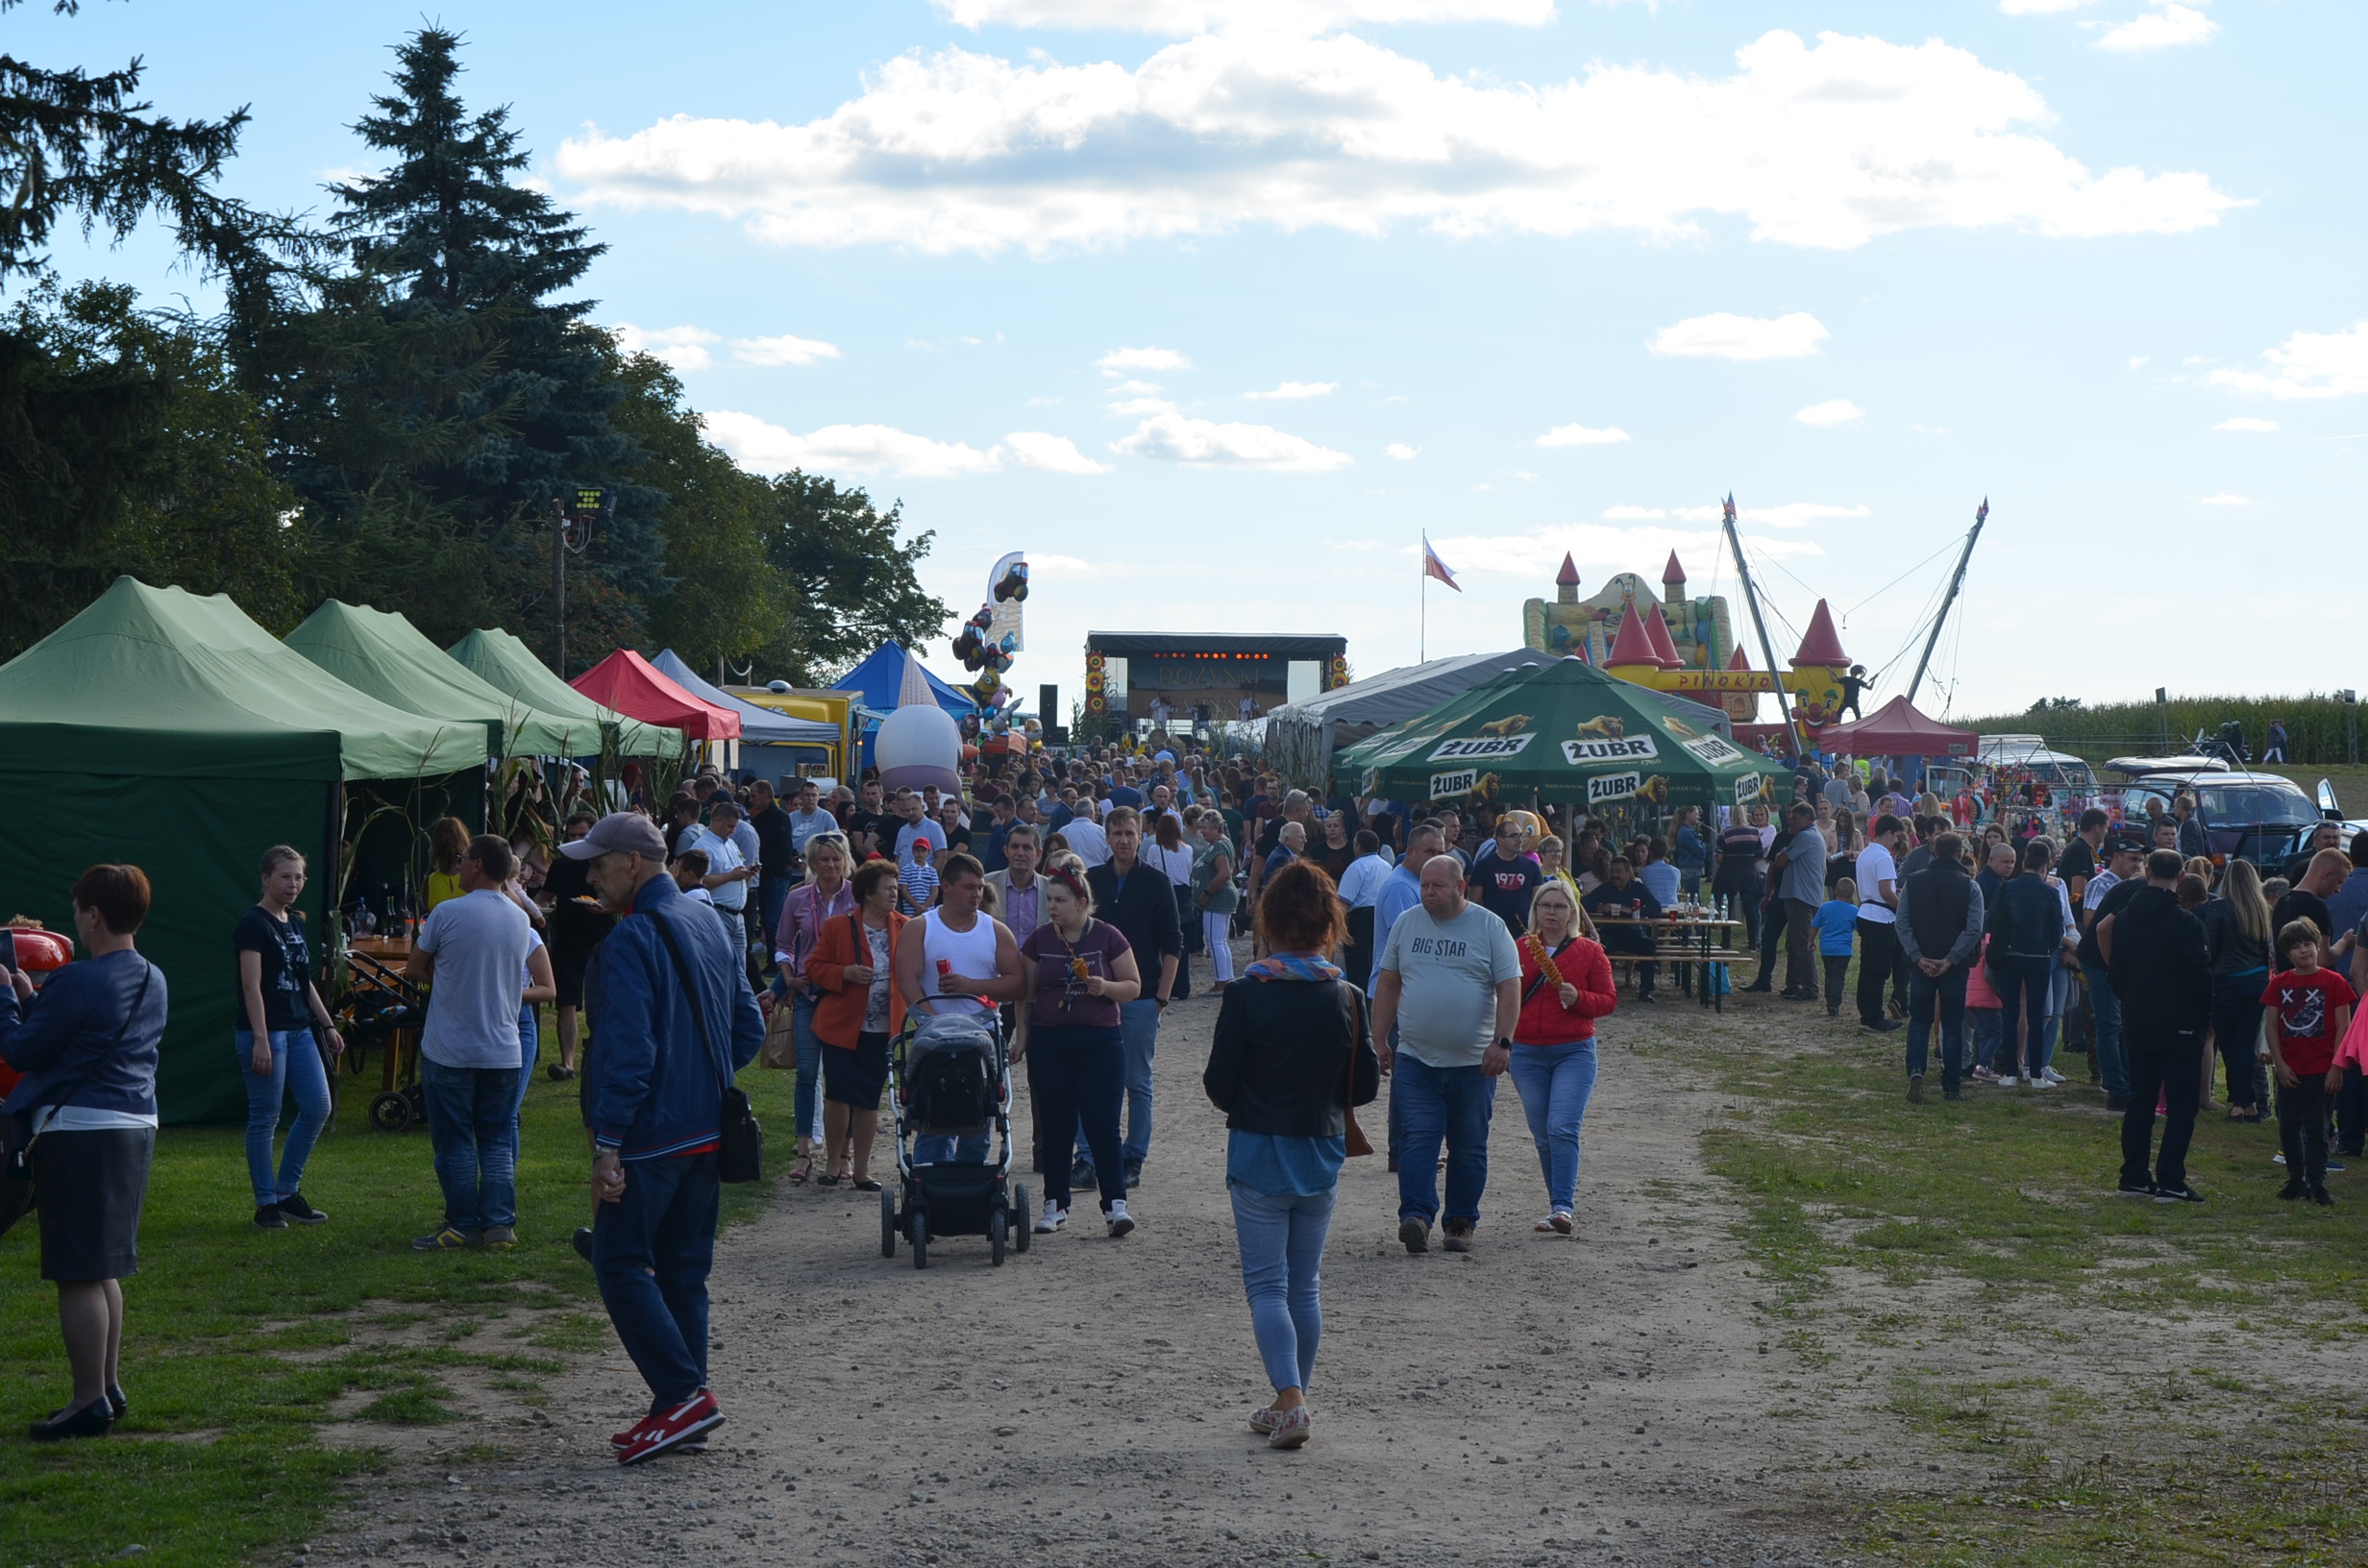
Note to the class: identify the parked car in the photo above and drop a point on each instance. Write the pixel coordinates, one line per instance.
(2258, 817)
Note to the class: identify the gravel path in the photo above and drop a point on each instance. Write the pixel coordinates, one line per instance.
(1608, 1398)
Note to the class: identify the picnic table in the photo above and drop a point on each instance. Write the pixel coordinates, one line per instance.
(1686, 941)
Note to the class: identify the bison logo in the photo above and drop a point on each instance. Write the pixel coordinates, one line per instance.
(1511, 724)
(1609, 727)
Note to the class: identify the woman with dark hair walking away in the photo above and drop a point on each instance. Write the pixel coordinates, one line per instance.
(1293, 1053)
(88, 1047)
(279, 1007)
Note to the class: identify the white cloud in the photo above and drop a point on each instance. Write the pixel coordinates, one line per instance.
(2167, 27)
(784, 349)
(2038, 8)
(1183, 18)
(1135, 389)
(2139, 362)
(1053, 454)
(685, 348)
(1722, 335)
(1832, 411)
(1403, 453)
(1117, 361)
(1634, 514)
(1140, 408)
(2226, 498)
(1206, 443)
(869, 449)
(1354, 543)
(1292, 391)
(1580, 436)
(1538, 552)
(1829, 144)
(2308, 365)
(2246, 425)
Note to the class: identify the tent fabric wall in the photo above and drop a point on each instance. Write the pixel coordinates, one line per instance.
(626, 682)
(1300, 738)
(759, 725)
(380, 652)
(876, 679)
(507, 664)
(171, 731)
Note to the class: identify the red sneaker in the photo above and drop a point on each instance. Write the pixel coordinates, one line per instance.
(669, 1429)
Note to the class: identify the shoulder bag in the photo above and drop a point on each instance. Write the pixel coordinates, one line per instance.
(17, 1192)
(739, 1143)
(1358, 1143)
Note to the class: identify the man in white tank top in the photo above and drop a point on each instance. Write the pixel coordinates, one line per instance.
(955, 959)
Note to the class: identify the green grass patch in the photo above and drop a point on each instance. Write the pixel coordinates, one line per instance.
(240, 1343)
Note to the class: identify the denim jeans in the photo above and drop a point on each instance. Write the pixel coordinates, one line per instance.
(2059, 998)
(530, 1047)
(1554, 1083)
(295, 1070)
(2173, 1071)
(2106, 1007)
(2023, 981)
(1079, 1076)
(1947, 994)
(1281, 1236)
(471, 1112)
(1985, 1035)
(651, 1250)
(935, 1149)
(1449, 1104)
(808, 1098)
(1138, 1039)
(2236, 1025)
(772, 893)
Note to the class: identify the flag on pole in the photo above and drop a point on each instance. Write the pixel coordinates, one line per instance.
(1434, 567)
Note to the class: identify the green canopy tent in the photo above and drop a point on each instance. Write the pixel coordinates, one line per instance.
(171, 731)
(503, 662)
(1563, 733)
(379, 653)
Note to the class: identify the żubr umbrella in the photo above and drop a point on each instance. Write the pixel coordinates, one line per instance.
(1563, 732)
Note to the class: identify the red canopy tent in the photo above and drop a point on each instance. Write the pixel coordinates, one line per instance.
(630, 684)
(1896, 729)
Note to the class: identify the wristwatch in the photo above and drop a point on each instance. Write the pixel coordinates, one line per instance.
(1504, 1045)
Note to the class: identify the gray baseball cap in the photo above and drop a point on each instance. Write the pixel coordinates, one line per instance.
(620, 832)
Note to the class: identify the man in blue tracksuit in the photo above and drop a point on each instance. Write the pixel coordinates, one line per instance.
(658, 1083)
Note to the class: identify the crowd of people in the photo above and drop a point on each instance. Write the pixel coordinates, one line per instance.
(1067, 902)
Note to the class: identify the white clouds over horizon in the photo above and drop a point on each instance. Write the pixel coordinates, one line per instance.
(1539, 550)
(1202, 443)
(1292, 391)
(1792, 514)
(1183, 18)
(1119, 362)
(784, 349)
(1828, 146)
(1830, 413)
(1724, 335)
(2168, 26)
(686, 348)
(2307, 365)
(1580, 436)
(766, 448)
(2246, 425)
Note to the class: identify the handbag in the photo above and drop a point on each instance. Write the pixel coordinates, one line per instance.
(1358, 1143)
(780, 1047)
(739, 1141)
(18, 1192)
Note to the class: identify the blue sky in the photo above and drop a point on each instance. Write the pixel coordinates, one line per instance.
(1214, 305)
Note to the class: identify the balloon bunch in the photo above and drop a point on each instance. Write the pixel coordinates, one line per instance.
(972, 647)
(1012, 583)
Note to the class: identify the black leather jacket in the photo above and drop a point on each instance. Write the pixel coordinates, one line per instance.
(1280, 1063)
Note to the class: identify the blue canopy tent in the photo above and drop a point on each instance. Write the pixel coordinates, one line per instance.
(876, 682)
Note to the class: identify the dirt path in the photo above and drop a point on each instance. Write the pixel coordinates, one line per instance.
(1612, 1398)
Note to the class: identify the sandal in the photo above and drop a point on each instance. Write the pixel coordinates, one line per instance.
(867, 1186)
(1543, 1226)
(1561, 1222)
(825, 1180)
(799, 1172)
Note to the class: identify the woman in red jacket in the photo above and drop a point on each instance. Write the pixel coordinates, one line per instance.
(1565, 986)
(859, 1013)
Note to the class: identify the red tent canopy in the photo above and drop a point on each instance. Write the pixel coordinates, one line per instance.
(1896, 729)
(630, 684)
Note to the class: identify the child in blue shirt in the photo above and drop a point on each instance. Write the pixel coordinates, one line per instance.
(1837, 923)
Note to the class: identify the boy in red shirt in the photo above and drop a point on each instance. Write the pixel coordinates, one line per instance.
(2309, 1008)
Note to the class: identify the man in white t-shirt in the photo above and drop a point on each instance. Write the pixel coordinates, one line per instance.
(1450, 983)
(1878, 924)
(1086, 838)
(472, 954)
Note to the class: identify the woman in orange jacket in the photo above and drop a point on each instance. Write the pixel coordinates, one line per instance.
(859, 1011)
(1565, 986)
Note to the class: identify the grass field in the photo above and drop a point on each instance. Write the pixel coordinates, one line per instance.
(238, 1341)
(1994, 1225)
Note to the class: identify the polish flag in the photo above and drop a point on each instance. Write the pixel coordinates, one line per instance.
(1434, 567)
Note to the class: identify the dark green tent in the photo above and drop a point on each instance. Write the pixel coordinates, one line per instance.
(501, 661)
(171, 731)
(379, 653)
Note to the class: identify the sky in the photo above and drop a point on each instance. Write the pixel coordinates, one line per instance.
(1215, 308)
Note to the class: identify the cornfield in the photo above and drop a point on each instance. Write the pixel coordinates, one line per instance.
(2319, 728)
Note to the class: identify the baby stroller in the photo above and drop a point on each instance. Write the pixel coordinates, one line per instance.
(949, 1078)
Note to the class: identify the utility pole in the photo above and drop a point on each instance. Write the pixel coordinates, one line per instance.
(1767, 650)
(559, 588)
(1957, 581)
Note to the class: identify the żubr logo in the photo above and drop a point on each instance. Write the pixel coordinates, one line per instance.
(1481, 747)
(1611, 787)
(1712, 749)
(1453, 786)
(1622, 748)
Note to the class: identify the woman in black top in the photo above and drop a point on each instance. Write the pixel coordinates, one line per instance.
(578, 926)
(2236, 930)
(279, 1007)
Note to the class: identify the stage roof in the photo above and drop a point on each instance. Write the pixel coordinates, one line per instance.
(1127, 645)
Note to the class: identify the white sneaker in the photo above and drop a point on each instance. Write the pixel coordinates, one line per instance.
(1121, 1223)
(2052, 1075)
(2037, 1083)
(2007, 1081)
(1051, 1220)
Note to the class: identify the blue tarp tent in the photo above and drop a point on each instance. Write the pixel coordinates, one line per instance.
(759, 725)
(874, 682)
